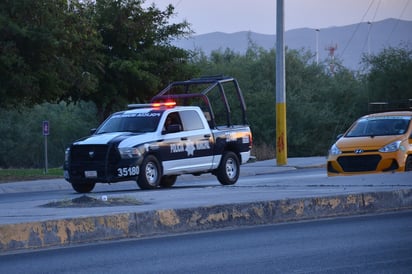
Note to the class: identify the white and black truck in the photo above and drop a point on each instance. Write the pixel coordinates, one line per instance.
(154, 143)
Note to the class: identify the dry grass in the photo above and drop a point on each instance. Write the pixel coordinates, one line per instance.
(87, 201)
(264, 152)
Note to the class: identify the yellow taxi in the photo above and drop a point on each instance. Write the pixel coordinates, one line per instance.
(375, 143)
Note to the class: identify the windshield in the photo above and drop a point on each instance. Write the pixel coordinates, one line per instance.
(131, 122)
(379, 126)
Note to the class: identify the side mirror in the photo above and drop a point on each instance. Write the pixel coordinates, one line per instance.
(92, 131)
(339, 136)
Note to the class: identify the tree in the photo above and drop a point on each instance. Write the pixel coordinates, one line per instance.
(138, 56)
(43, 50)
(111, 52)
(319, 104)
(390, 74)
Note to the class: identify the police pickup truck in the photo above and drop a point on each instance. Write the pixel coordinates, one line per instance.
(154, 143)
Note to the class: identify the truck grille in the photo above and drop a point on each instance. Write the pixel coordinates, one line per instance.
(99, 158)
(359, 163)
(94, 154)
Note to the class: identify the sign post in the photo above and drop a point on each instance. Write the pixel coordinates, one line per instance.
(46, 132)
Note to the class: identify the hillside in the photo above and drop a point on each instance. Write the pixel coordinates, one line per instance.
(351, 40)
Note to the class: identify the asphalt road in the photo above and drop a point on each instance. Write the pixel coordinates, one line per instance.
(364, 244)
(265, 194)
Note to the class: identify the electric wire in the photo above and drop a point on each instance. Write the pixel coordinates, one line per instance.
(178, 3)
(367, 40)
(397, 21)
(357, 28)
(339, 126)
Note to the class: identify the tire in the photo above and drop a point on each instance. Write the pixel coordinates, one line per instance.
(168, 181)
(83, 187)
(150, 173)
(408, 163)
(229, 169)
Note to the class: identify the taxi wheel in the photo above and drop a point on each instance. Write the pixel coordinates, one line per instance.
(168, 181)
(150, 173)
(408, 163)
(229, 169)
(83, 187)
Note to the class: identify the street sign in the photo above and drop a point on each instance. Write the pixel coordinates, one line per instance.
(46, 128)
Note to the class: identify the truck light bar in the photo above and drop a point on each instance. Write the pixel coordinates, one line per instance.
(164, 104)
(168, 104)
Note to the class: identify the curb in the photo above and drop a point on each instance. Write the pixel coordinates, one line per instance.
(71, 231)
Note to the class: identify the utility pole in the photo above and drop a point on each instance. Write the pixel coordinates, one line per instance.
(369, 38)
(317, 46)
(46, 132)
(281, 138)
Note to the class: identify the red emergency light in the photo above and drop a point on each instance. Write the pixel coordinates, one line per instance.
(169, 104)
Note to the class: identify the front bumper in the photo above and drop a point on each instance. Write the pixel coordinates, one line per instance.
(102, 172)
(366, 163)
(99, 163)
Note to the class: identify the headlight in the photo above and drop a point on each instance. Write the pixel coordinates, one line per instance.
(67, 154)
(334, 150)
(391, 147)
(129, 152)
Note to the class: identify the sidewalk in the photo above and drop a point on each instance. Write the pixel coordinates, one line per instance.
(199, 206)
(249, 169)
(270, 166)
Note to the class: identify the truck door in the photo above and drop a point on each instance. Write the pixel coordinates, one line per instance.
(191, 149)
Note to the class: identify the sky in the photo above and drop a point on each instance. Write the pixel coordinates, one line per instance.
(259, 16)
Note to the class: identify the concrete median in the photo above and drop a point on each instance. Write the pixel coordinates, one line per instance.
(78, 230)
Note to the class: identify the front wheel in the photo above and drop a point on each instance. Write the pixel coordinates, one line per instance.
(83, 187)
(150, 173)
(408, 163)
(229, 169)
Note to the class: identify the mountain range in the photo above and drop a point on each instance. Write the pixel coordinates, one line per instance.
(348, 43)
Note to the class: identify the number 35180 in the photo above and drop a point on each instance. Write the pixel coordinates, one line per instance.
(128, 171)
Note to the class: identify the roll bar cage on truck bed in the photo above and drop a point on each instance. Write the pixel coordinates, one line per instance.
(200, 88)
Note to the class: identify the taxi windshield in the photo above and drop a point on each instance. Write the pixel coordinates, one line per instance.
(379, 126)
(136, 123)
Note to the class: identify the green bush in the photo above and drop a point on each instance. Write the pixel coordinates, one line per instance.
(23, 144)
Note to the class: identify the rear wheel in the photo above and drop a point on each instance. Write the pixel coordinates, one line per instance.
(229, 169)
(83, 187)
(408, 163)
(168, 181)
(150, 173)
